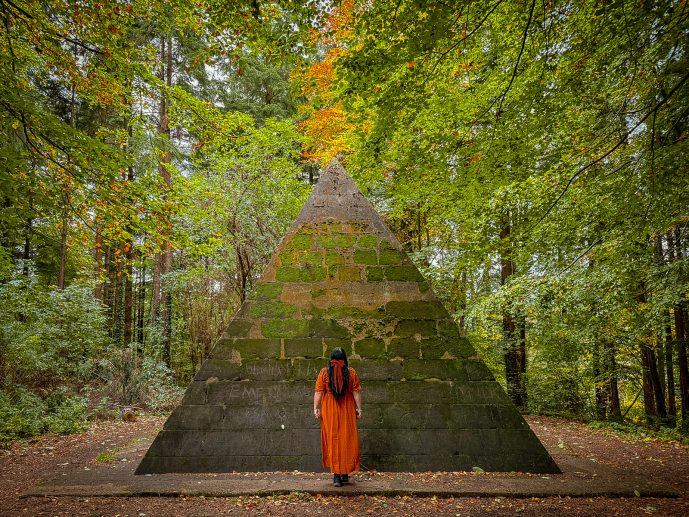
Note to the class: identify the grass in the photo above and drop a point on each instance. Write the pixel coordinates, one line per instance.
(108, 456)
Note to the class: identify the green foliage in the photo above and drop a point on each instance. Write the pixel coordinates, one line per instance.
(24, 414)
(49, 335)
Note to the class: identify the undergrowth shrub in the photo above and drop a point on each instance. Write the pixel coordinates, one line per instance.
(24, 414)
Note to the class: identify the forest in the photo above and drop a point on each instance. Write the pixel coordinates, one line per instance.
(532, 158)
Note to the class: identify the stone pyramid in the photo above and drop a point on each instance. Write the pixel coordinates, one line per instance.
(341, 278)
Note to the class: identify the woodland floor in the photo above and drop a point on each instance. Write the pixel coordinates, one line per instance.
(25, 463)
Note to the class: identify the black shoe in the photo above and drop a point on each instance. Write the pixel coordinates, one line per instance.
(337, 480)
(345, 478)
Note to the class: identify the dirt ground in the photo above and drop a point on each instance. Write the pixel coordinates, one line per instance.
(24, 464)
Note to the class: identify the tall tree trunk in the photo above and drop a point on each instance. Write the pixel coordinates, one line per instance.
(509, 328)
(63, 241)
(654, 402)
(129, 256)
(26, 255)
(681, 339)
(599, 382)
(614, 409)
(140, 320)
(669, 371)
(160, 307)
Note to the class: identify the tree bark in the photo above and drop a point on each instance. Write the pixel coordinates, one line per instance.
(670, 372)
(614, 409)
(511, 345)
(63, 242)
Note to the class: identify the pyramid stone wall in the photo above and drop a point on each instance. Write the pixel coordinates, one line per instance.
(340, 278)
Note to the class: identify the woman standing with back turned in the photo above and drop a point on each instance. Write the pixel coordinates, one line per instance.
(339, 391)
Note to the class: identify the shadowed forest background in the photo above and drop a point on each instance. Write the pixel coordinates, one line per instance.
(532, 157)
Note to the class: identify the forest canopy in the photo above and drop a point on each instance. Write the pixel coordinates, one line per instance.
(530, 156)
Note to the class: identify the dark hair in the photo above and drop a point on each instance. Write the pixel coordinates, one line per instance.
(338, 354)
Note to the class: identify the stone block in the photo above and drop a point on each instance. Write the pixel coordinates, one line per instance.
(349, 274)
(309, 347)
(267, 291)
(378, 369)
(402, 274)
(368, 241)
(371, 348)
(345, 344)
(295, 274)
(255, 348)
(306, 369)
(420, 310)
(434, 368)
(477, 370)
(411, 328)
(238, 327)
(285, 328)
(375, 274)
(407, 348)
(272, 309)
(390, 257)
(368, 257)
(333, 258)
(326, 328)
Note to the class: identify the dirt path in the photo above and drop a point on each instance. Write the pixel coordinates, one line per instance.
(24, 464)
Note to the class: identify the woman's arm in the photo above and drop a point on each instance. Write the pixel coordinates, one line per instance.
(357, 401)
(317, 396)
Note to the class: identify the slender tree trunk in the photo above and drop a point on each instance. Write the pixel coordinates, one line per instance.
(98, 258)
(654, 403)
(160, 307)
(509, 328)
(669, 370)
(614, 409)
(63, 241)
(599, 382)
(140, 312)
(26, 255)
(681, 340)
(129, 256)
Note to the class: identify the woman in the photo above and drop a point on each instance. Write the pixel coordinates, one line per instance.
(338, 388)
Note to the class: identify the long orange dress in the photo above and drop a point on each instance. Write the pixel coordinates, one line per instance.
(339, 437)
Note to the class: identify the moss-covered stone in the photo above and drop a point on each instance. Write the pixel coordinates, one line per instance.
(285, 328)
(257, 348)
(272, 309)
(368, 257)
(309, 259)
(477, 370)
(350, 312)
(407, 348)
(424, 328)
(238, 327)
(368, 241)
(301, 241)
(417, 369)
(326, 328)
(370, 348)
(287, 257)
(267, 291)
(330, 343)
(402, 274)
(390, 257)
(294, 274)
(375, 274)
(333, 258)
(337, 241)
(420, 309)
(348, 274)
(309, 347)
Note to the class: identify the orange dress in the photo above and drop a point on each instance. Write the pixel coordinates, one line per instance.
(339, 437)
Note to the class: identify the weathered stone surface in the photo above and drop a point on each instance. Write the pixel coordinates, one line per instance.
(340, 278)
